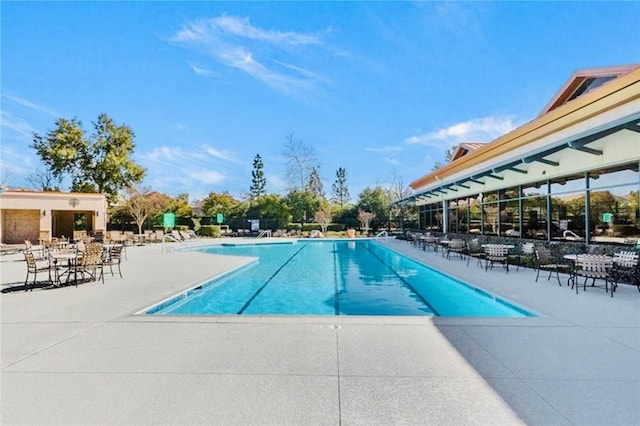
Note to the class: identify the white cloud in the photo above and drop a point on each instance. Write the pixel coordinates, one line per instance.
(275, 183)
(476, 130)
(392, 161)
(383, 148)
(242, 27)
(29, 104)
(234, 42)
(18, 125)
(201, 70)
(210, 177)
(223, 155)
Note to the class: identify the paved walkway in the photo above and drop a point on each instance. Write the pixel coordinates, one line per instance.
(80, 356)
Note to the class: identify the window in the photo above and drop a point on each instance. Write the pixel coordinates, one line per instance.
(568, 216)
(566, 184)
(534, 217)
(510, 218)
(613, 214)
(621, 175)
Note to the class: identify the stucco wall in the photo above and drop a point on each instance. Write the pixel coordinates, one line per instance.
(20, 225)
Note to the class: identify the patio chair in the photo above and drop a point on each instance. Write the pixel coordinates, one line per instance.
(112, 257)
(476, 251)
(88, 264)
(544, 261)
(496, 253)
(456, 246)
(33, 268)
(626, 268)
(429, 241)
(38, 251)
(594, 267)
(526, 255)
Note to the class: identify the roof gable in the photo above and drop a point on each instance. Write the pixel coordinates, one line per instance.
(585, 80)
(465, 148)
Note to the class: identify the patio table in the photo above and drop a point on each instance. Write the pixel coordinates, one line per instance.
(69, 257)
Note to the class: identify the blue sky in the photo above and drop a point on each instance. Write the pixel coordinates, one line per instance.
(379, 88)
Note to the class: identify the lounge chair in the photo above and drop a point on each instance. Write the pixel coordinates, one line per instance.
(5, 249)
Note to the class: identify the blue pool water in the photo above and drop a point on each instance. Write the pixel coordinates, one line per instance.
(333, 278)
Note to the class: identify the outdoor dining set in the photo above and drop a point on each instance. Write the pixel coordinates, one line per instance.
(602, 270)
(63, 262)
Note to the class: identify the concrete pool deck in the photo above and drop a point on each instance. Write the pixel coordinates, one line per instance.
(80, 356)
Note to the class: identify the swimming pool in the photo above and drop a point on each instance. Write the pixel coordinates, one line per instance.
(339, 277)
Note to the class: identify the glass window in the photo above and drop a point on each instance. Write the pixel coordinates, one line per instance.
(489, 197)
(568, 216)
(510, 193)
(571, 183)
(475, 216)
(535, 189)
(510, 218)
(490, 218)
(613, 214)
(463, 220)
(627, 174)
(534, 217)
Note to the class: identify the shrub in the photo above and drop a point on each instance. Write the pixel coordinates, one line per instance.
(294, 227)
(210, 231)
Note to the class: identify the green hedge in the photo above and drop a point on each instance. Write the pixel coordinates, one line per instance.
(210, 231)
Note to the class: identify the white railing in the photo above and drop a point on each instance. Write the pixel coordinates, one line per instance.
(264, 233)
(382, 234)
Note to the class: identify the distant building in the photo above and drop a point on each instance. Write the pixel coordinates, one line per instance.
(37, 215)
(570, 173)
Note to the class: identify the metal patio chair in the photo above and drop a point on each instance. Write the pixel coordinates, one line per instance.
(544, 261)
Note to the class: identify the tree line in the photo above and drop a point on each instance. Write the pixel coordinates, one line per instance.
(101, 162)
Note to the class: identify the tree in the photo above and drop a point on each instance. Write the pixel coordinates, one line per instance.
(300, 158)
(143, 203)
(340, 189)
(302, 205)
(397, 191)
(44, 180)
(323, 216)
(219, 203)
(376, 201)
(448, 155)
(314, 185)
(100, 162)
(180, 206)
(271, 207)
(365, 219)
(258, 181)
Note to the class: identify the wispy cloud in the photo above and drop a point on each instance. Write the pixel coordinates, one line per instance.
(201, 70)
(183, 167)
(242, 27)
(29, 104)
(476, 130)
(392, 161)
(388, 148)
(211, 177)
(223, 155)
(18, 125)
(236, 43)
